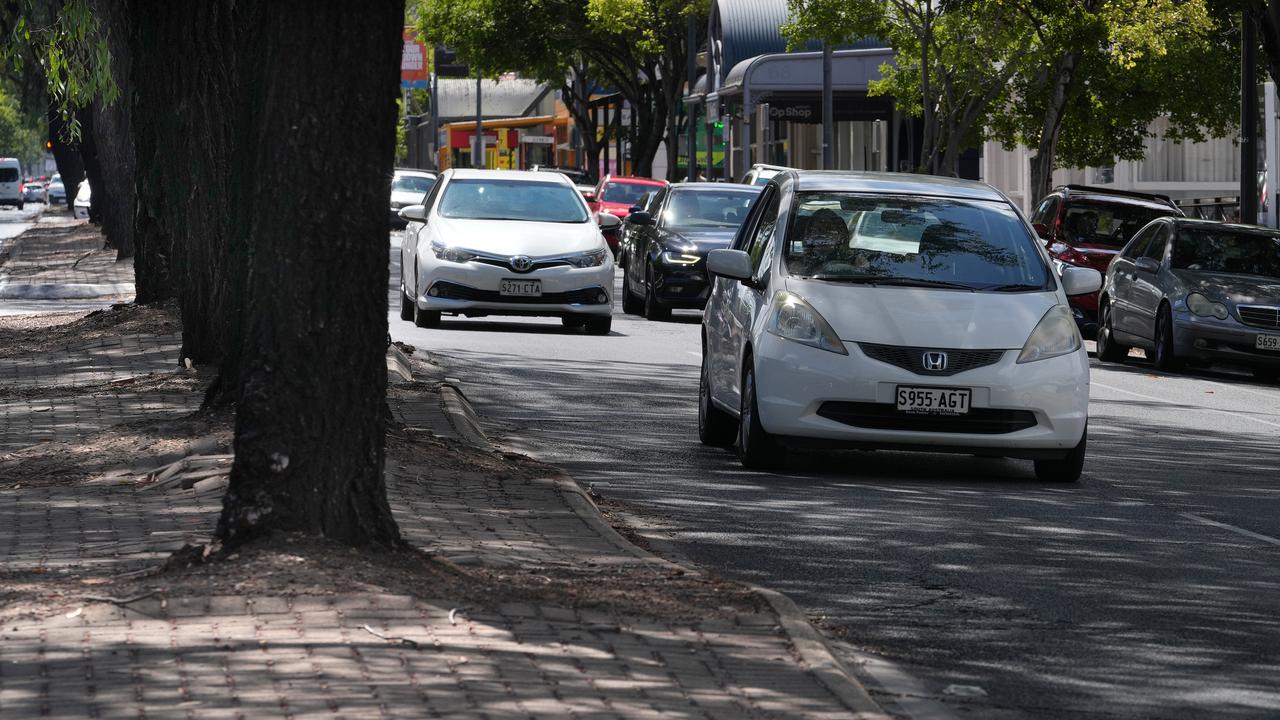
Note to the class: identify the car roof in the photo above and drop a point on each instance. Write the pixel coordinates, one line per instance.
(414, 171)
(1108, 195)
(890, 184)
(525, 175)
(1233, 227)
(763, 166)
(627, 179)
(717, 187)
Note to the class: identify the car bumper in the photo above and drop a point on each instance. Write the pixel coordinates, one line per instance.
(1210, 339)
(685, 286)
(1037, 409)
(474, 289)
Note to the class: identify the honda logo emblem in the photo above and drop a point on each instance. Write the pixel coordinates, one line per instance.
(935, 361)
(521, 263)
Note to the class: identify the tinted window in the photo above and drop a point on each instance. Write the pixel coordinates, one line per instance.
(1134, 249)
(8, 174)
(693, 210)
(1087, 223)
(1047, 212)
(768, 219)
(1211, 250)
(412, 183)
(628, 193)
(1155, 248)
(485, 199)
(844, 236)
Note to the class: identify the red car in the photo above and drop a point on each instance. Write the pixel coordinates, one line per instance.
(616, 195)
(1088, 226)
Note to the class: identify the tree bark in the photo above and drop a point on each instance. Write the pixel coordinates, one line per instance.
(66, 154)
(1043, 161)
(92, 166)
(316, 120)
(113, 136)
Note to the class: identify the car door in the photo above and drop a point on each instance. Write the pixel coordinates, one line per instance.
(413, 233)
(642, 238)
(1146, 293)
(743, 301)
(1122, 274)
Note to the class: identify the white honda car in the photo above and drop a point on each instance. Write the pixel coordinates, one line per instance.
(506, 242)
(897, 312)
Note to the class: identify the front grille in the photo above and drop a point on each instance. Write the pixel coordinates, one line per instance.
(882, 416)
(454, 291)
(1258, 316)
(912, 358)
(506, 264)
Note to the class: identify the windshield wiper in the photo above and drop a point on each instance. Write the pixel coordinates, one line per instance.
(894, 281)
(1014, 287)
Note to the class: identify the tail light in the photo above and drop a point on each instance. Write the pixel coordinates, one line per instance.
(1068, 254)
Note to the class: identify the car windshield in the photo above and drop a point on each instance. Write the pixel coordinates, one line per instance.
(625, 193)
(1087, 223)
(1226, 251)
(411, 183)
(692, 210)
(8, 175)
(485, 199)
(913, 240)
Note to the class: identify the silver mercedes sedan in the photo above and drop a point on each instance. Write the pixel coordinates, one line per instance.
(1195, 290)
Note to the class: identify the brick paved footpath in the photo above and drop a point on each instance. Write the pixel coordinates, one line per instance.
(304, 656)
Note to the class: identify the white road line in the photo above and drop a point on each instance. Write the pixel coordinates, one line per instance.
(1232, 528)
(1241, 416)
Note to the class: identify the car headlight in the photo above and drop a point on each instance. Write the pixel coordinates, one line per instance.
(1054, 335)
(595, 258)
(671, 257)
(796, 320)
(451, 253)
(1204, 307)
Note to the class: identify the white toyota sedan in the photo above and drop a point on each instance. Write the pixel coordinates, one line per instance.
(506, 242)
(894, 312)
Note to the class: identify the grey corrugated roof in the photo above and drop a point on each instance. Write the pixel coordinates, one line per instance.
(499, 99)
(752, 27)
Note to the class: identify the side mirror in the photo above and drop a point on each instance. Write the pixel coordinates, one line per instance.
(640, 217)
(414, 213)
(1041, 229)
(1081, 280)
(1147, 265)
(634, 209)
(608, 221)
(734, 264)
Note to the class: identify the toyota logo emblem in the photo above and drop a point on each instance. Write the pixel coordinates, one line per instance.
(935, 361)
(521, 263)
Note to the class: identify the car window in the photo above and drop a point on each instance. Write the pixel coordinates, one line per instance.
(706, 209)
(655, 202)
(430, 198)
(838, 236)
(494, 199)
(8, 174)
(1134, 249)
(1225, 251)
(411, 183)
(1097, 223)
(1155, 248)
(763, 231)
(626, 193)
(1047, 212)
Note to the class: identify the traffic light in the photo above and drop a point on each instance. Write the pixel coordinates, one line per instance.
(718, 125)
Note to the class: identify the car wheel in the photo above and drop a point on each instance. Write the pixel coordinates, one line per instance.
(573, 321)
(599, 325)
(756, 447)
(425, 318)
(1165, 359)
(715, 426)
(653, 308)
(630, 304)
(1067, 469)
(406, 306)
(1108, 349)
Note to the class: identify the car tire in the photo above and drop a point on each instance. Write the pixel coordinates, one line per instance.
(653, 308)
(1164, 357)
(757, 449)
(598, 325)
(1108, 349)
(1066, 469)
(631, 305)
(573, 322)
(406, 306)
(716, 427)
(425, 318)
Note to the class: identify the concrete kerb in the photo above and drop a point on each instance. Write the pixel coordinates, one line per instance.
(809, 644)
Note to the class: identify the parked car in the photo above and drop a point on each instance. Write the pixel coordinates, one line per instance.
(33, 190)
(11, 191)
(506, 242)
(760, 174)
(665, 244)
(84, 199)
(1087, 226)
(616, 195)
(408, 187)
(886, 311)
(57, 191)
(1195, 290)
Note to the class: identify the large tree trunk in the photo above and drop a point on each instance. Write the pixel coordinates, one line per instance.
(183, 110)
(101, 194)
(66, 153)
(113, 135)
(1042, 163)
(316, 135)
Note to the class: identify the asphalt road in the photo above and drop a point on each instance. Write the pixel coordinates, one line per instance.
(960, 585)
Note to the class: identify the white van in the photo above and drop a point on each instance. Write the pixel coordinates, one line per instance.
(11, 182)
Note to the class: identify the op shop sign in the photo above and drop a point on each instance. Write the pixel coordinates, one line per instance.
(414, 63)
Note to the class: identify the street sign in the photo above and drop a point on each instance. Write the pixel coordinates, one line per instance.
(414, 67)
